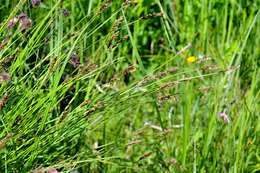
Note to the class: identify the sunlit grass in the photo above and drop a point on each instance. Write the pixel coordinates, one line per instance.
(125, 86)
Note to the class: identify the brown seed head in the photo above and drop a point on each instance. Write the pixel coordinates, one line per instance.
(35, 2)
(11, 23)
(24, 22)
(4, 77)
(74, 60)
(66, 12)
(3, 101)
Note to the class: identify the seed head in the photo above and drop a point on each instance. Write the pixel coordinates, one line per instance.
(4, 43)
(130, 69)
(52, 170)
(12, 22)
(3, 101)
(22, 16)
(224, 117)
(74, 60)
(24, 22)
(105, 5)
(35, 2)
(4, 77)
(66, 12)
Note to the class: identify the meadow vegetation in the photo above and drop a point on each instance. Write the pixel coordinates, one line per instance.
(129, 86)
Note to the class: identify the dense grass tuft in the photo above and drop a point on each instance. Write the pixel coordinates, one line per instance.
(129, 86)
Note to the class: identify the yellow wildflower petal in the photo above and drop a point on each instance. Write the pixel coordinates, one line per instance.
(191, 59)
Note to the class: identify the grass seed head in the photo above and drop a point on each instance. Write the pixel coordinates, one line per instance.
(5, 140)
(151, 15)
(74, 60)
(4, 77)
(66, 12)
(130, 69)
(129, 2)
(105, 6)
(52, 170)
(11, 23)
(145, 155)
(3, 101)
(24, 22)
(223, 115)
(35, 2)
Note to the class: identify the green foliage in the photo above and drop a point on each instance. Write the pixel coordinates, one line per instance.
(105, 86)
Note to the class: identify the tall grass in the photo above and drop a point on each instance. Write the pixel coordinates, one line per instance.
(108, 86)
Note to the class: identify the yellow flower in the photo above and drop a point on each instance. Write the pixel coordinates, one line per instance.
(191, 59)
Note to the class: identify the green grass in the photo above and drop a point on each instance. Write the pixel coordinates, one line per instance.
(129, 101)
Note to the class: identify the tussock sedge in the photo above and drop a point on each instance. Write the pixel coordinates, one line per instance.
(129, 86)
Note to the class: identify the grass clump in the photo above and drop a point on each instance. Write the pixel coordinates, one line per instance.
(129, 86)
